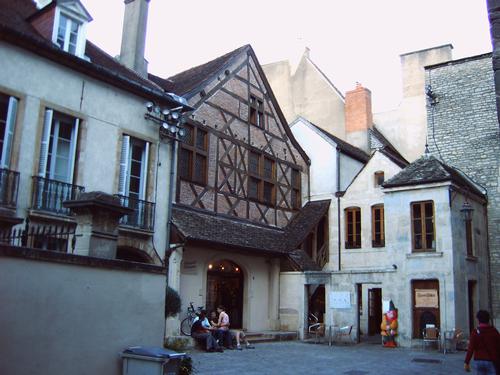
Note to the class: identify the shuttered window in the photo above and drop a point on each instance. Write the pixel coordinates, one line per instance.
(423, 234)
(353, 227)
(134, 160)
(8, 112)
(193, 154)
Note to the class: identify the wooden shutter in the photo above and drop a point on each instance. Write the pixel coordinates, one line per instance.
(144, 171)
(44, 147)
(124, 164)
(9, 133)
(72, 151)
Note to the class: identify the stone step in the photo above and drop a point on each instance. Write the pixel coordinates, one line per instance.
(269, 336)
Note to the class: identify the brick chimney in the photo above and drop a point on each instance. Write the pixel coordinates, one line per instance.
(134, 36)
(358, 116)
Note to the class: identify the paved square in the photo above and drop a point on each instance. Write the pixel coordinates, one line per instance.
(295, 357)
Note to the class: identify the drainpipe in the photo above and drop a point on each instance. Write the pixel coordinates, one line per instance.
(338, 195)
(488, 275)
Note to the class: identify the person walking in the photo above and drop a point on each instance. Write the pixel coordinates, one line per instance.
(485, 345)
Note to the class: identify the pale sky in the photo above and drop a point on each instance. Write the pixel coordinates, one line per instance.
(350, 40)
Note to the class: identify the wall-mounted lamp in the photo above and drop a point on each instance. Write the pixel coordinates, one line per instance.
(431, 95)
(467, 210)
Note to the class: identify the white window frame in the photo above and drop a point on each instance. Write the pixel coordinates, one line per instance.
(10, 124)
(49, 123)
(81, 37)
(125, 167)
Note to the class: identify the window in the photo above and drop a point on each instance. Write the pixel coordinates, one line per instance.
(296, 198)
(8, 111)
(58, 147)
(261, 179)
(468, 238)
(133, 168)
(67, 34)
(256, 112)
(193, 154)
(379, 178)
(378, 232)
(423, 236)
(353, 227)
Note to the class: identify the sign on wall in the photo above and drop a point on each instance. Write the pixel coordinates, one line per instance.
(426, 298)
(340, 300)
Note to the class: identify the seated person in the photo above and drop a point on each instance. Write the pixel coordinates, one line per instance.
(204, 335)
(221, 332)
(239, 335)
(205, 323)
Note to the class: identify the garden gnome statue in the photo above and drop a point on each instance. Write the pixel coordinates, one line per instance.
(389, 327)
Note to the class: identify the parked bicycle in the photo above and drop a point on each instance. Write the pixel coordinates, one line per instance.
(187, 322)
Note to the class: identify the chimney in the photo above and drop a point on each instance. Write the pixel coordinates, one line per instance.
(358, 116)
(134, 36)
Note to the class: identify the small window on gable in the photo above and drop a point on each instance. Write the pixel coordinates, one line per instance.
(256, 114)
(70, 28)
(379, 178)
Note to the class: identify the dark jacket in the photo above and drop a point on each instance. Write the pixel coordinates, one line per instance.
(485, 344)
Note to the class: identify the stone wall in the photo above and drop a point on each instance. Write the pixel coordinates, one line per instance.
(463, 130)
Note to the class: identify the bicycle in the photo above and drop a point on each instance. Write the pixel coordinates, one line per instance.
(187, 322)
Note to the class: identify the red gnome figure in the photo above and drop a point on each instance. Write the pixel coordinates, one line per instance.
(389, 327)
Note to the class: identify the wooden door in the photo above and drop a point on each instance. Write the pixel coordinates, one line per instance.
(425, 301)
(374, 310)
(471, 286)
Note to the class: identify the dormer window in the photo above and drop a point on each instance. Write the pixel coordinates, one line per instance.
(64, 22)
(67, 34)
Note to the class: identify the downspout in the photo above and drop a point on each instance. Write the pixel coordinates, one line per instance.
(171, 193)
(488, 274)
(338, 209)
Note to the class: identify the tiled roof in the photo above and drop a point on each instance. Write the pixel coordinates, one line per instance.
(187, 82)
(208, 228)
(428, 169)
(388, 149)
(345, 147)
(15, 29)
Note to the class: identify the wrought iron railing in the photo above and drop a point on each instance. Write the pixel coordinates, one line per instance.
(46, 237)
(143, 216)
(49, 195)
(9, 186)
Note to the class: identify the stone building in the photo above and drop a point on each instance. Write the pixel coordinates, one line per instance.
(463, 132)
(73, 128)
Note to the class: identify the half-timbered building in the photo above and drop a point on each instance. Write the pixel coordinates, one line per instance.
(241, 181)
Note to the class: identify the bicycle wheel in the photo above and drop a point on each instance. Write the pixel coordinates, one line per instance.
(186, 326)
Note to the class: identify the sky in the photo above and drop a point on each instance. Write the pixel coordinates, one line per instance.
(350, 40)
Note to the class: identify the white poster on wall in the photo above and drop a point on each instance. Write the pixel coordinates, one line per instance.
(385, 305)
(340, 300)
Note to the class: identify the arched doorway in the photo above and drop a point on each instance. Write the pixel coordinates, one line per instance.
(225, 287)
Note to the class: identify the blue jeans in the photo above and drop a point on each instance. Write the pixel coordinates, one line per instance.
(484, 367)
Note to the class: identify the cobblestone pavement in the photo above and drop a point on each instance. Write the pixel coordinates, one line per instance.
(295, 357)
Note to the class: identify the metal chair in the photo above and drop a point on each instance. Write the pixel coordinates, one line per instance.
(318, 330)
(431, 335)
(450, 340)
(344, 332)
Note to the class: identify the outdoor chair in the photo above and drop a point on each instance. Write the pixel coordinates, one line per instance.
(431, 335)
(318, 330)
(450, 340)
(344, 334)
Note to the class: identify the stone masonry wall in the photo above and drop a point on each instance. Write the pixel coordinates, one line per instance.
(463, 130)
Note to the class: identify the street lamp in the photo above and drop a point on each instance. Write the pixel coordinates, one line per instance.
(467, 210)
(170, 121)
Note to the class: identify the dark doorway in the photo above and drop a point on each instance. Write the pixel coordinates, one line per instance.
(374, 311)
(425, 301)
(471, 289)
(317, 302)
(225, 287)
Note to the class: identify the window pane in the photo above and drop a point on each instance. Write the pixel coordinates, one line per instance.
(199, 168)
(428, 209)
(201, 139)
(188, 139)
(253, 188)
(61, 31)
(253, 116)
(295, 178)
(268, 168)
(184, 163)
(416, 211)
(253, 162)
(417, 226)
(268, 192)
